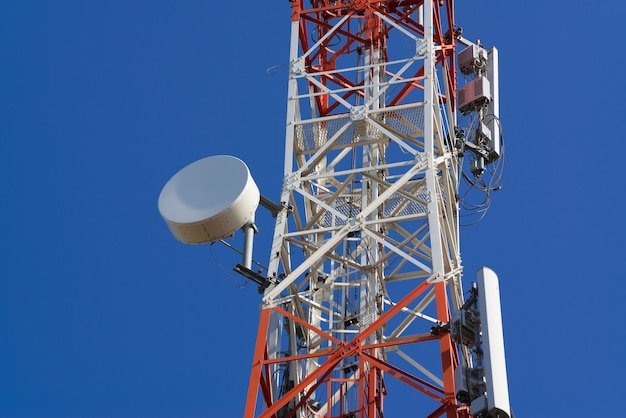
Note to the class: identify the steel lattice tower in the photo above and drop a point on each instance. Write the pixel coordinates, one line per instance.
(365, 263)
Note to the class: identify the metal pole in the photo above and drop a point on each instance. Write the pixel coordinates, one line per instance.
(248, 239)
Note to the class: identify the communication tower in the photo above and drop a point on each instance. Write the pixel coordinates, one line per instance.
(365, 267)
(362, 298)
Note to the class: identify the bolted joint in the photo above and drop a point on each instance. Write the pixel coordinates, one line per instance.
(361, 4)
(357, 113)
(297, 65)
(292, 181)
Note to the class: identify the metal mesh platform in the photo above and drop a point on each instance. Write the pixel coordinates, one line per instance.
(312, 136)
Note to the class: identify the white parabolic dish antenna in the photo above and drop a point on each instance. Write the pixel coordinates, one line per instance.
(209, 199)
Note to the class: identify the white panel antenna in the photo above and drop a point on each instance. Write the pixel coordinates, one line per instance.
(493, 344)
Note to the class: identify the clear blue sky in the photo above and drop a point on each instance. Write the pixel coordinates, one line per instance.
(104, 314)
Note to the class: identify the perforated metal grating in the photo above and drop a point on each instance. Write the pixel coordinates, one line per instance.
(406, 121)
(312, 136)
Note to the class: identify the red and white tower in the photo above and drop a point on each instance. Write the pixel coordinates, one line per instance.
(365, 267)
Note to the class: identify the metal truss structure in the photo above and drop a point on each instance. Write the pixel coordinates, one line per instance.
(365, 266)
